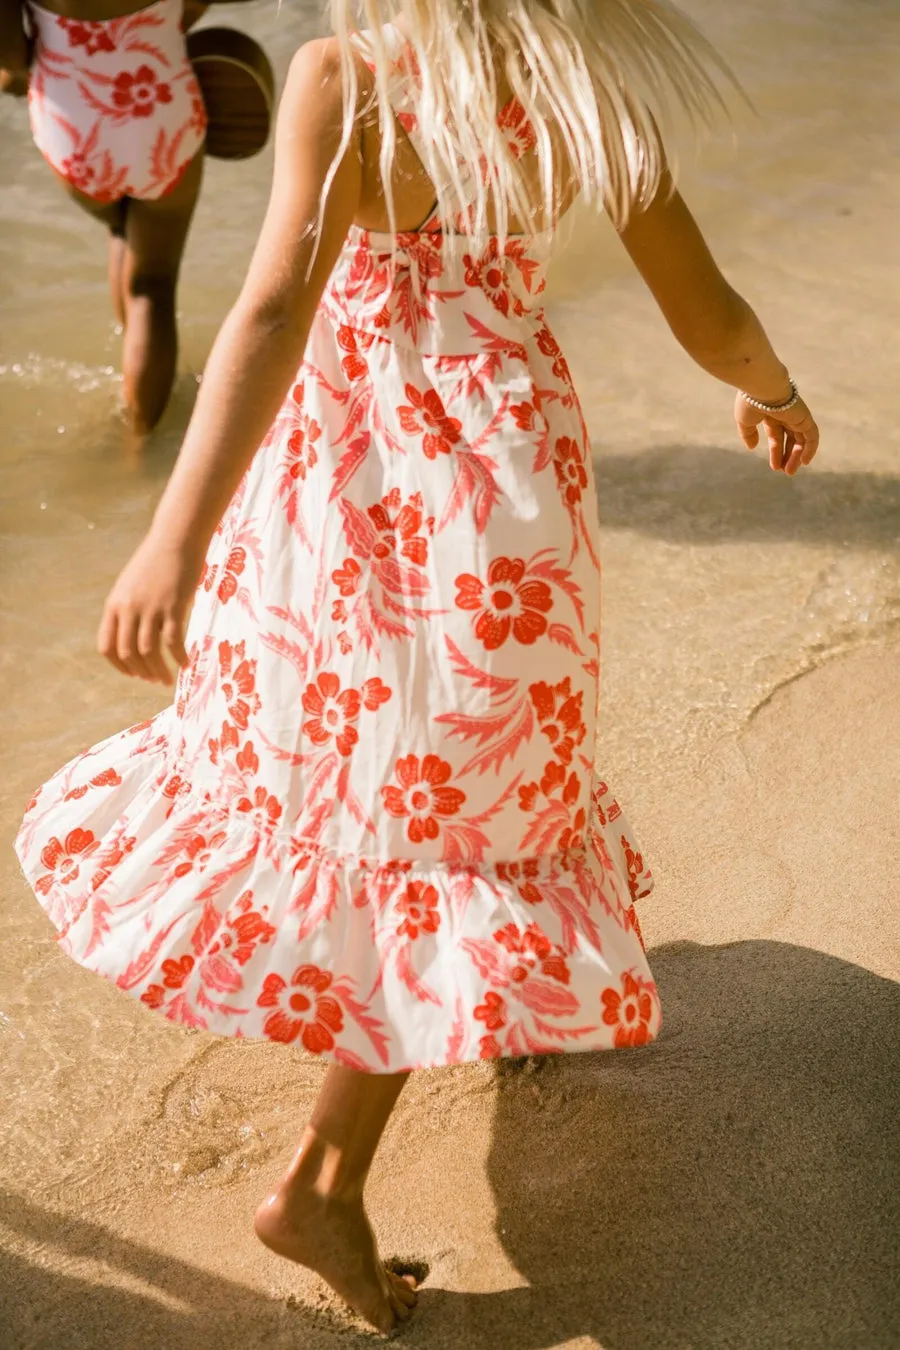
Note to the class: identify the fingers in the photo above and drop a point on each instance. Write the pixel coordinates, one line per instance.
(173, 637)
(775, 434)
(107, 639)
(148, 648)
(749, 435)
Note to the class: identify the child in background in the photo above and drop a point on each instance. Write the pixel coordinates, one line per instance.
(371, 824)
(117, 113)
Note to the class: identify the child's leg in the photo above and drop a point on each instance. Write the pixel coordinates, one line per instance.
(116, 271)
(155, 236)
(317, 1216)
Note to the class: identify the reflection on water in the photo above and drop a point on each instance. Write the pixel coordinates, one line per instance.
(721, 582)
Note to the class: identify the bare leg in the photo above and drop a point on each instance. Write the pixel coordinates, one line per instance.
(155, 236)
(317, 1216)
(145, 252)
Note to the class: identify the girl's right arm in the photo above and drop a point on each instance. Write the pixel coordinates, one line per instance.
(717, 327)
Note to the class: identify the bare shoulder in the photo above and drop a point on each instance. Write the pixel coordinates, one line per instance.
(316, 77)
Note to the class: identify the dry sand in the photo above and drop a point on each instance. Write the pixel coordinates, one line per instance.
(735, 1186)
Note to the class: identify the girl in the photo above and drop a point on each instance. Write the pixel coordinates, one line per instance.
(371, 825)
(117, 113)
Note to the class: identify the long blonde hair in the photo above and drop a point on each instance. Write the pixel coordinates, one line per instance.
(600, 78)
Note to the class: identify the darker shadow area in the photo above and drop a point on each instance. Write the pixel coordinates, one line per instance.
(733, 1187)
(703, 494)
(176, 1306)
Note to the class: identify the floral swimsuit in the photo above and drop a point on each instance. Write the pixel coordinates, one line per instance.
(115, 107)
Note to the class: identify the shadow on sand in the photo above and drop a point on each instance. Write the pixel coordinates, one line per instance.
(704, 494)
(733, 1187)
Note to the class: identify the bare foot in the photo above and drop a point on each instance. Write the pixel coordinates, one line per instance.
(334, 1238)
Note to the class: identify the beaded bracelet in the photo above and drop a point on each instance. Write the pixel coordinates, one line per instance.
(774, 407)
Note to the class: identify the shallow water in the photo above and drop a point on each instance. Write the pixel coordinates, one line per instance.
(722, 582)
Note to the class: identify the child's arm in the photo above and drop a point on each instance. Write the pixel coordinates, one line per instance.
(13, 49)
(716, 326)
(255, 356)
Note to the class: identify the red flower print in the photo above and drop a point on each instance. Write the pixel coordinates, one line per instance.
(302, 1008)
(418, 907)
(354, 343)
(331, 713)
(374, 693)
(139, 91)
(630, 1011)
(422, 795)
(242, 932)
(531, 951)
(238, 677)
(93, 37)
(347, 578)
(506, 603)
(521, 875)
(154, 996)
(529, 416)
(441, 432)
(490, 1048)
(264, 809)
(301, 447)
(573, 836)
(246, 759)
(234, 566)
(570, 471)
(492, 1012)
(488, 274)
(548, 344)
(399, 528)
(79, 171)
(176, 972)
(635, 864)
(522, 136)
(62, 858)
(559, 713)
(199, 853)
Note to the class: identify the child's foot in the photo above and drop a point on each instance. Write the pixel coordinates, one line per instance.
(334, 1238)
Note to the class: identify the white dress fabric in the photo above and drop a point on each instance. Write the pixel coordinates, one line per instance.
(370, 824)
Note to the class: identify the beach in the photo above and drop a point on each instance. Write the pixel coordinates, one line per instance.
(732, 1187)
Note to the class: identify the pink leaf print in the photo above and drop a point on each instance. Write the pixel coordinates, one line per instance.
(541, 996)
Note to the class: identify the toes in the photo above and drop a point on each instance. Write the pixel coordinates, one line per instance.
(403, 1287)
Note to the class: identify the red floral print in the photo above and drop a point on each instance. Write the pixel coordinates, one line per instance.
(506, 603)
(302, 1008)
(94, 37)
(139, 91)
(523, 876)
(418, 905)
(198, 853)
(423, 795)
(399, 527)
(234, 566)
(425, 413)
(570, 471)
(521, 137)
(62, 858)
(176, 972)
(332, 713)
(262, 808)
(354, 343)
(242, 932)
(560, 715)
(238, 683)
(629, 1011)
(531, 952)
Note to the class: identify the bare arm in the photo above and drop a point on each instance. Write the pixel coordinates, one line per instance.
(255, 356)
(714, 324)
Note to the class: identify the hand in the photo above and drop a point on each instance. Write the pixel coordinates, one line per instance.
(146, 611)
(793, 435)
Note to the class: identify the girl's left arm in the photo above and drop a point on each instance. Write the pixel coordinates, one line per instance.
(255, 356)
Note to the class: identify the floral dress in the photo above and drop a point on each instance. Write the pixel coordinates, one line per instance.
(370, 825)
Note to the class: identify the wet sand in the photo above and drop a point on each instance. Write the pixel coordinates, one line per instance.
(735, 1186)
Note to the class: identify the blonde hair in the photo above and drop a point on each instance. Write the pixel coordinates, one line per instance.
(602, 79)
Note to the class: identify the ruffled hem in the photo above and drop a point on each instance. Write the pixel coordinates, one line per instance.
(223, 923)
